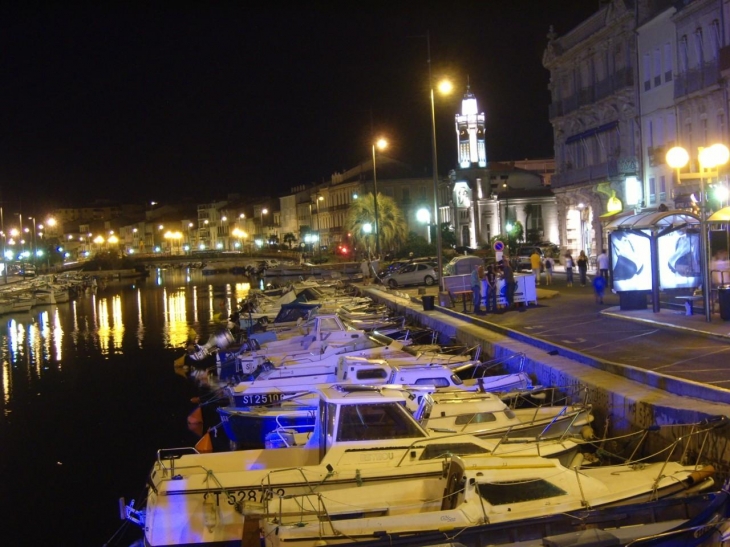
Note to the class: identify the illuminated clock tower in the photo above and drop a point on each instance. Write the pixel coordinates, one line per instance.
(470, 133)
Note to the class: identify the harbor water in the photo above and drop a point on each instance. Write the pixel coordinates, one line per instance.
(89, 394)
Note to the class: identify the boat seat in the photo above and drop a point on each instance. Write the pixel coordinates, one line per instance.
(308, 341)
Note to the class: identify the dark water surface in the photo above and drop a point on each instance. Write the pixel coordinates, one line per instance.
(89, 394)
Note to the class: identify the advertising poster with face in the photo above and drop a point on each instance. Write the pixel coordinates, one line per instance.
(631, 261)
(679, 260)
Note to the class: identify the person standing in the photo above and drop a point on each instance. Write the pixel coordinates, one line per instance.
(582, 267)
(476, 287)
(509, 283)
(549, 264)
(602, 263)
(490, 299)
(365, 269)
(536, 263)
(569, 269)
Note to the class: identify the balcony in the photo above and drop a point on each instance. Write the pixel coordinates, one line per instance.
(622, 78)
(591, 173)
(697, 79)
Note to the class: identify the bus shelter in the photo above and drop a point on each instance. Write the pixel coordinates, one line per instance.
(653, 251)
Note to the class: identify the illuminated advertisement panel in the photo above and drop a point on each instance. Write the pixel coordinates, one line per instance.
(631, 261)
(679, 259)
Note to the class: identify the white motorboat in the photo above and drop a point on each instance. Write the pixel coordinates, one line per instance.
(486, 415)
(480, 494)
(365, 438)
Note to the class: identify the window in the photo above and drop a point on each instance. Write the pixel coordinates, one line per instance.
(699, 50)
(662, 189)
(668, 64)
(684, 54)
(647, 72)
(652, 191)
(716, 40)
(372, 374)
(509, 492)
(657, 68)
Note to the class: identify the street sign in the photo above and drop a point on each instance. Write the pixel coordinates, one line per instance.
(498, 246)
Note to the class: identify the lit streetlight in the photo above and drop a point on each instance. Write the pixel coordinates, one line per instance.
(423, 216)
(444, 87)
(319, 240)
(381, 144)
(709, 158)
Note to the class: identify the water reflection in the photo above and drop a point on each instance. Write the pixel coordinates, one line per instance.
(120, 320)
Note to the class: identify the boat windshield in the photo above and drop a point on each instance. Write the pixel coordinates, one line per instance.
(380, 421)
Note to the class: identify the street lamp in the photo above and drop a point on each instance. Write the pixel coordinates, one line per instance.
(444, 87)
(709, 158)
(423, 216)
(319, 235)
(367, 229)
(382, 144)
(263, 232)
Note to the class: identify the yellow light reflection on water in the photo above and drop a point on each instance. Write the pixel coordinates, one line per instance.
(58, 338)
(140, 319)
(175, 328)
(117, 330)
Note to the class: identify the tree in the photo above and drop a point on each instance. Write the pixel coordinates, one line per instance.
(448, 237)
(392, 225)
(289, 238)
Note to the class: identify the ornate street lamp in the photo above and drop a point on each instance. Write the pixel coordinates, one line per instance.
(709, 158)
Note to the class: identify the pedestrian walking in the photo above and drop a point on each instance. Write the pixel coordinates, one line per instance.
(536, 264)
(582, 267)
(599, 287)
(476, 287)
(602, 263)
(569, 269)
(549, 265)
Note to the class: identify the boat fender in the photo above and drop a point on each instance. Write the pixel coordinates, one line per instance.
(700, 475)
(586, 433)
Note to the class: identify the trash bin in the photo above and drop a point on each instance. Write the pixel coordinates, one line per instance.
(723, 297)
(428, 303)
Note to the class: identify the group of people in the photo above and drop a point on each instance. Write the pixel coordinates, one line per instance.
(600, 281)
(484, 286)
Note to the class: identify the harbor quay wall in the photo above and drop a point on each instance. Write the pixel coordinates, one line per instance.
(624, 399)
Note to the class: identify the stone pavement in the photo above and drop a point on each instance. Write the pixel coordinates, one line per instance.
(670, 350)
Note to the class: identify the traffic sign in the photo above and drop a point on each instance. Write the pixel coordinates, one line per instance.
(498, 246)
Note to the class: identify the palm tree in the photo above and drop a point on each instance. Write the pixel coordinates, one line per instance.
(289, 238)
(392, 225)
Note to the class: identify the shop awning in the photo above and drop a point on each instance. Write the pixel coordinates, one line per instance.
(723, 215)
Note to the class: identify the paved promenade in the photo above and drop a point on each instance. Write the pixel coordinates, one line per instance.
(669, 350)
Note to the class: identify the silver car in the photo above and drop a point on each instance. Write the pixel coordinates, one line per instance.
(412, 274)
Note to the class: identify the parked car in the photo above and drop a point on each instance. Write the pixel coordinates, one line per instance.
(523, 256)
(412, 274)
(460, 265)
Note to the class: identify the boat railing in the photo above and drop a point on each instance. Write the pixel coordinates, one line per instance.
(486, 366)
(695, 438)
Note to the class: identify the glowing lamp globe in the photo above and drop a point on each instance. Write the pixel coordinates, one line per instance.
(677, 157)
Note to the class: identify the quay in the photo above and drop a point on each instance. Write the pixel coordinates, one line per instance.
(639, 368)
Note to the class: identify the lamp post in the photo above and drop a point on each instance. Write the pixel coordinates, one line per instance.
(319, 234)
(381, 144)
(33, 241)
(710, 158)
(444, 87)
(263, 234)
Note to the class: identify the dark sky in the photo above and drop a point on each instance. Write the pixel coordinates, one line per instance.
(144, 102)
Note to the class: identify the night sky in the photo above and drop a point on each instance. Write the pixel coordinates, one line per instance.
(136, 103)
